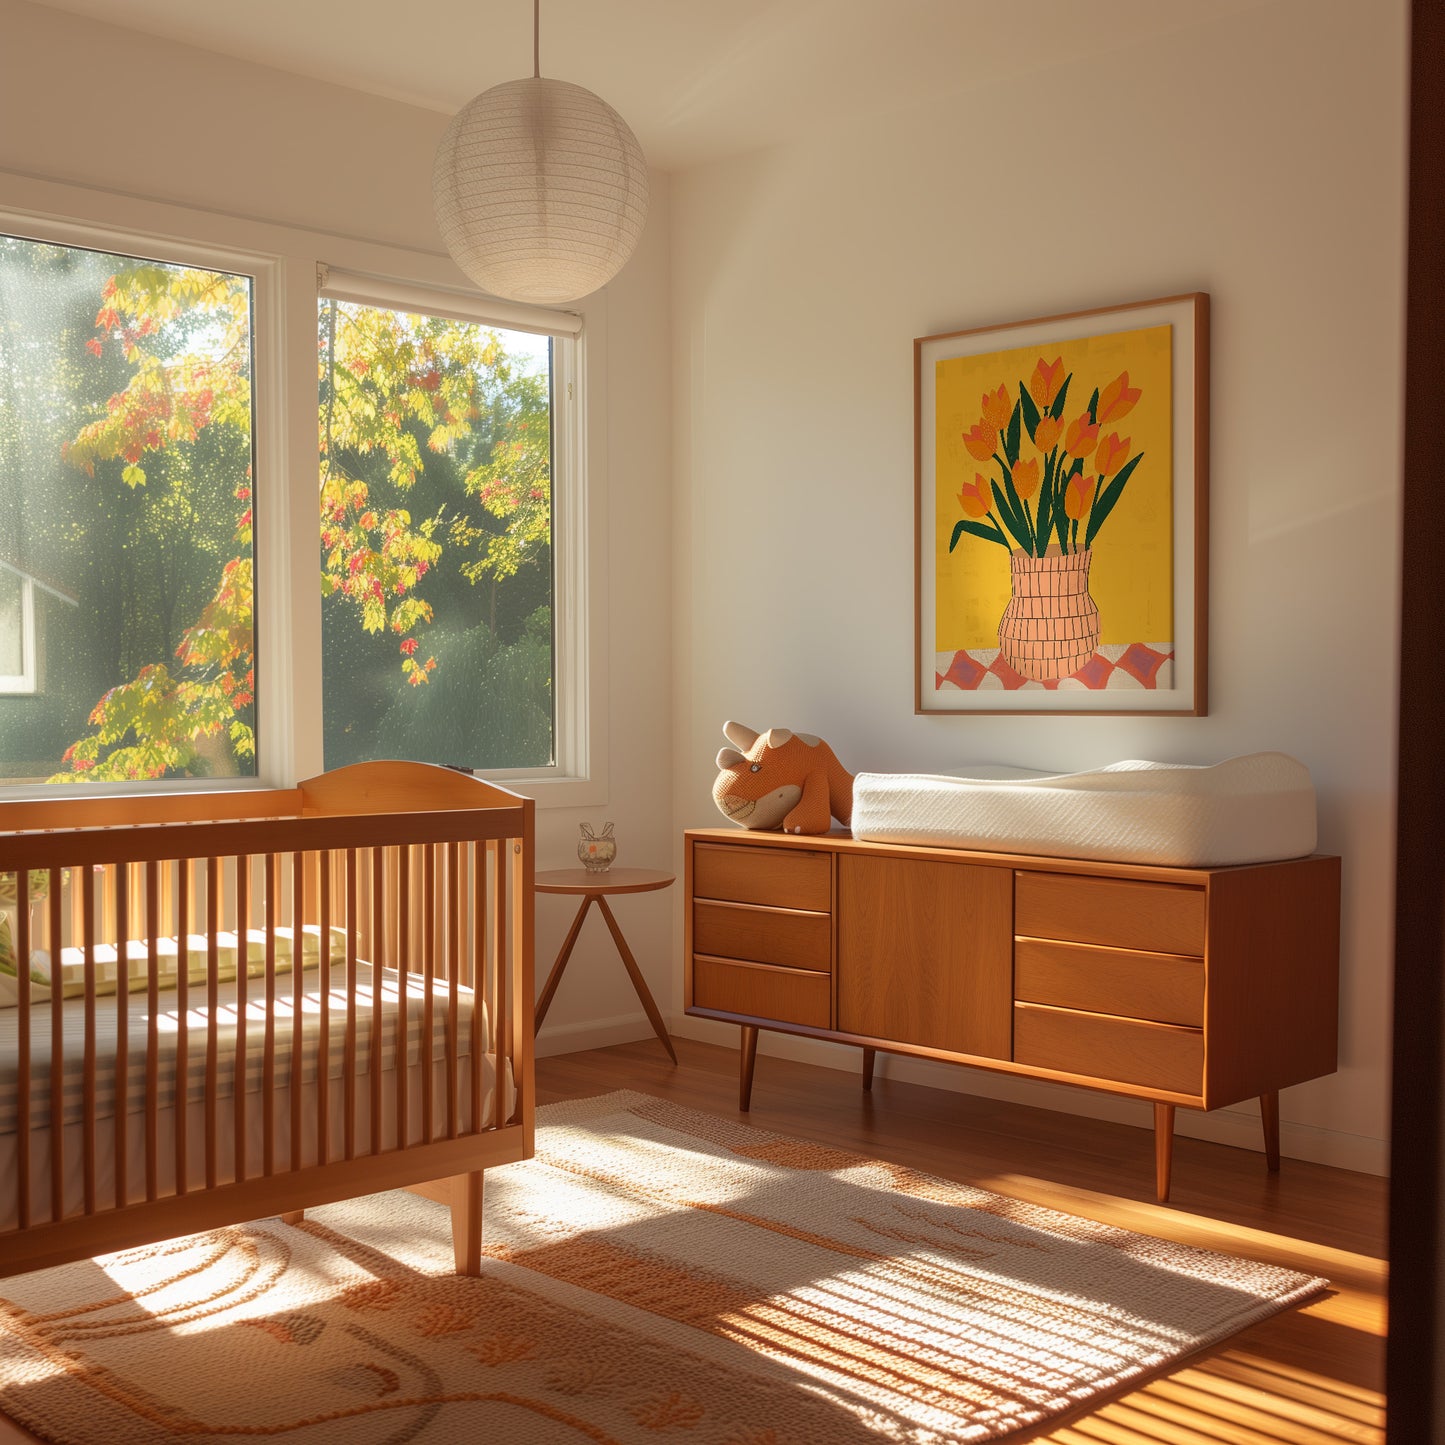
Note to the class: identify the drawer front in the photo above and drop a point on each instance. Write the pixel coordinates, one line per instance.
(787, 995)
(774, 877)
(1164, 987)
(762, 935)
(1155, 917)
(1126, 1051)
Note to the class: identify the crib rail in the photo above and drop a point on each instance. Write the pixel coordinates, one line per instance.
(253, 1014)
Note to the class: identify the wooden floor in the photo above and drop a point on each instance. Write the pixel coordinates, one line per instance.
(1310, 1377)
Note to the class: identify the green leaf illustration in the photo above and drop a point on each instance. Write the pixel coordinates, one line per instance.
(977, 529)
(1094, 407)
(1011, 518)
(1031, 412)
(1111, 495)
(1011, 440)
(1057, 410)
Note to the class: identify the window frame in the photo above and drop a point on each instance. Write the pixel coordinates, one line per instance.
(25, 682)
(284, 264)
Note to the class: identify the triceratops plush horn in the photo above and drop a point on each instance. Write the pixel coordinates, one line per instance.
(778, 736)
(739, 735)
(729, 758)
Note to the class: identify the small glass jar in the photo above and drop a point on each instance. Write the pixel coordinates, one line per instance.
(597, 850)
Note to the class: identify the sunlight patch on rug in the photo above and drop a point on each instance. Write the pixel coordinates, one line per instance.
(655, 1274)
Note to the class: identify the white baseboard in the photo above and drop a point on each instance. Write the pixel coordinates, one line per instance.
(595, 1034)
(1239, 1127)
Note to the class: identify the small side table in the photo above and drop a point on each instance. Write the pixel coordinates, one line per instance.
(594, 888)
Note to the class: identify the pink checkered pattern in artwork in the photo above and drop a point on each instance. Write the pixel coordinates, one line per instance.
(1117, 667)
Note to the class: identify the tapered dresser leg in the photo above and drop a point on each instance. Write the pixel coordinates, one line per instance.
(1269, 1116)
(868, 1057)
(749, 1058)
(293, 1216)
(1163, 1149)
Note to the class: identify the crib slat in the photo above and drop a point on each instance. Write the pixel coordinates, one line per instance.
(88, 1060)
(349, 1040)
(520, 1041)
(402, 897)
(57, 1052)
(501, 1054)
(377, 955)
(121, 933)
(268, 1046)
(154, 929)
(213, 1008)
(22, 1025)
(323, 1068)
(454, 968)
(243, 985)
(478, 855)
(185, 881)
(298, 915)
(428, 1003)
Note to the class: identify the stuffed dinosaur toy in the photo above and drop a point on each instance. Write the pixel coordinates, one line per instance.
(781, 779)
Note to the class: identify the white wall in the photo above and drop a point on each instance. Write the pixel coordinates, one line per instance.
(1259, 158)
(104, 108)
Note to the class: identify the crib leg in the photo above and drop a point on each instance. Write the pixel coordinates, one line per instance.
(467, 1222)
(293, 1216)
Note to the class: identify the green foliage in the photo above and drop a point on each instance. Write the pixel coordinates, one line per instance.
(435, 493)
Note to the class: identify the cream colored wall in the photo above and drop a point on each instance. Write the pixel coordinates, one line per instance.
(1258, 158)
(100, 107)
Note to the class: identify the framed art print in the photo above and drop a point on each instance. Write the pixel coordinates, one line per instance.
(1061, 512)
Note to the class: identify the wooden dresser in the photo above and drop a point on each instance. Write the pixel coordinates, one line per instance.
(1189, 987)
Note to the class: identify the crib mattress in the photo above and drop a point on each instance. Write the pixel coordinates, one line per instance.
(1250, 809)
(107, 1038)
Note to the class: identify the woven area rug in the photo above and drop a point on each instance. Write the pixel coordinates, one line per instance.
(655, 1274)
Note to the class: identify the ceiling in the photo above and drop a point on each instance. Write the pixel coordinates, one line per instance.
(696, 79)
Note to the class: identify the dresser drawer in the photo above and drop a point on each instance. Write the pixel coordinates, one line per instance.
(1155, 917)
(762, 935)
(1126, 1051)
(775, 877)
(1164, 987)
(785, 995)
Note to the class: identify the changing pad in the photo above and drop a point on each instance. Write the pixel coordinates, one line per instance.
(1251, 809)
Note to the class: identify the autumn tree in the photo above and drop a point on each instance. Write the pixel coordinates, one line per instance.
(434, 481)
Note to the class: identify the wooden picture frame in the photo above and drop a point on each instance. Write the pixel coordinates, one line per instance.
(1029, 438)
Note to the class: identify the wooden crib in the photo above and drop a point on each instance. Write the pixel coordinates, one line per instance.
(260, 1001)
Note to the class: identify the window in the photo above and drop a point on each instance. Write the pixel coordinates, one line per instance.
(125, 480)
(160, 430)
(436, 539)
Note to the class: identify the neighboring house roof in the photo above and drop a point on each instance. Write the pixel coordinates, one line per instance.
(12, 564)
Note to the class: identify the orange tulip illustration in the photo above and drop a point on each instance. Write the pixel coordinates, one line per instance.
(1117, 400)
(1026, 477)
(997, 408)
(981, 442)
(1081, 436)
(1112, 454)
(974, 498)
(1045, 382)
(1048, 432)
(1077, 496)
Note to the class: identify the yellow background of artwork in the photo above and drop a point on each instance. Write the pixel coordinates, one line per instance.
(1131, 577)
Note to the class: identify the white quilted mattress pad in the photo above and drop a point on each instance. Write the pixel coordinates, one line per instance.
(1250, 809)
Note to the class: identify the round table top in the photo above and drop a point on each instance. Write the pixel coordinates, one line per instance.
(613, 880)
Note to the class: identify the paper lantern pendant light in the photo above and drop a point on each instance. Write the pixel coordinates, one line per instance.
(540, 189)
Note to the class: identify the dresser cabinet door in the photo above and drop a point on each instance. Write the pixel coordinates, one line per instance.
(925, 953)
